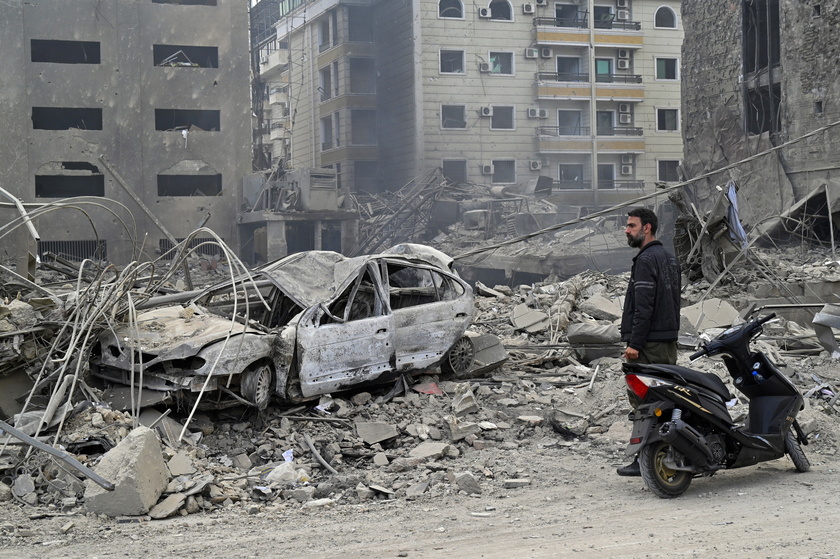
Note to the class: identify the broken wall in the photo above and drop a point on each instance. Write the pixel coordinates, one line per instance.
(113, 101)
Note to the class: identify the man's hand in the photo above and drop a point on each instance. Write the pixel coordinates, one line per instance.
(631, 354)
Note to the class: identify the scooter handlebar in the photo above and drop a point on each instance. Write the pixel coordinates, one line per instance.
(705, 350)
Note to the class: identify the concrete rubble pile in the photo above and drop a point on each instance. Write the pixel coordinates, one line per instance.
(422, 438)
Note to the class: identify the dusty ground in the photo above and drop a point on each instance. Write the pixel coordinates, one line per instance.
(576, 507)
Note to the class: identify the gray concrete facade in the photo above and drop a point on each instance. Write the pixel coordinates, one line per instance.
(99, 97)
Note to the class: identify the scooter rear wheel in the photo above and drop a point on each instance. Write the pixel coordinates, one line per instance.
(665, 482)
(800, 461)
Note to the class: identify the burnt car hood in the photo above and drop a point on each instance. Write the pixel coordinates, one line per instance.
(306, 277)
(175, 332)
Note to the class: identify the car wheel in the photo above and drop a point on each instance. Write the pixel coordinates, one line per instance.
(459, 359)
(257, 384)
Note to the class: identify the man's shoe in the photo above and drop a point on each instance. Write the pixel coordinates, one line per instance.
(630, 470)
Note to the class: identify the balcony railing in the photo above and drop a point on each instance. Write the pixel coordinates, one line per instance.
(603, 184)
(618, 78)
(563, 77)
(585, 131)
(582, 22)
(572, 185)
(621, 131)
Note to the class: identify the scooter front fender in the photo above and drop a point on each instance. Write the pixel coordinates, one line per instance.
(645, 423)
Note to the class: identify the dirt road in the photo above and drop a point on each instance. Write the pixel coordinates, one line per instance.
(576, 507)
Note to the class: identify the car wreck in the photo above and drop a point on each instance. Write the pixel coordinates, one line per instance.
(308, 324)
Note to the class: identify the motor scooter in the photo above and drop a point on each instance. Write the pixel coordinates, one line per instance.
(681, 424)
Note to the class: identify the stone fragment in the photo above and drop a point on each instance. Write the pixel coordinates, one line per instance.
(467, 483)
(459, 430)
(416, 490)
(318, 503)
(139, 474)
(380, 459)
(168, 506)
(528, 319)
(242, 462)
(429, 449)
(180, 465)
(376, 432)
(5, 492)
(300, 494)
(531, 419)
(600, 308)
(361, 398)
(516, 482)
(464, 401)
(364, 492)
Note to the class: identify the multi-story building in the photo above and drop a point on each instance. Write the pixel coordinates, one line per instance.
(140, 106)
(586, 92)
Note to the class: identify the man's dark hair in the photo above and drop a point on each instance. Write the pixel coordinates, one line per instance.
(646, 216)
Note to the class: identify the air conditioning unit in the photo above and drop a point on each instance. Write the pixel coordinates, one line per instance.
(537, 113)
(536, 165)
(264, 60)
(545, 52)
(486, 111)
(620, 3)
(626, 158)
(484, 67)
(487, 169)
(624, 107)
(625, 118)
(624, 53)
(623, 14)
(532, 53)
(527, 8)
(626, 169)
(623, 64)
(542, 2)
(484, 12)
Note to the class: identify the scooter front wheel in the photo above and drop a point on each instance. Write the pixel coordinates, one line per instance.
(665, 482)
(792, 448)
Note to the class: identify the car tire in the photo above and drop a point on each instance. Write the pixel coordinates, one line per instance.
(460, 357)
(257, 385)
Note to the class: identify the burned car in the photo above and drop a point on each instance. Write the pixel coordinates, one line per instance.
(308, 324)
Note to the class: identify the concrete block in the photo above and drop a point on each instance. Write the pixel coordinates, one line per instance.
(375, 432)
(466, 482)
(138, 471)
(168, 506)
(428, 449)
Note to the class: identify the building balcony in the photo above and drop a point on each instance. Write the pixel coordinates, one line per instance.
(274, 64)
(574, 31)
(279, 129)
(572, 86)
(602, 185)
(278, 95)
(578, 139)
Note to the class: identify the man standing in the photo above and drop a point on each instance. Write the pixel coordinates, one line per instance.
(651, 319)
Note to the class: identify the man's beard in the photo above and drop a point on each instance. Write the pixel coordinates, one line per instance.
(635, 241)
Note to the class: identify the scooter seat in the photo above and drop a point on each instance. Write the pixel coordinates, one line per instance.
(709, 381)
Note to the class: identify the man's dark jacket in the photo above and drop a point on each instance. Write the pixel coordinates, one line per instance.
(652, 304)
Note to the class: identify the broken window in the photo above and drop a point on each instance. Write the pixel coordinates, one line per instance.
(358, 301)
(326, 133)
(324, 35)
(65, 52)
(451, 9)
(362, 75)
(763, 109)
(666, 68)
(409, 286)
(501, 63)
(68, 179)
(183, 119)
(455, 170)
(504, 171)
(453, 116)
(74, 250)
(760, 34)
(189, 185)
(451, 62)
(502, 118)
(667, 119)
(187, 2)
(603, 17)
(363, 127)
(567, 15)
(605, 123)
(184, 56)
(668, 171)
(665, 18)
(501, 10)
(570, 176)
(360, 24)
(66, 118)
(606, 176)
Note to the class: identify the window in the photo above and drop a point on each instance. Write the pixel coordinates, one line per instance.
(326, 133)
(764, 109)
(604, 70)
(666, 68)
(324, 35)
(360, 24)
(760, 33)
(501, 10)
(363, 127)
(409, 286)
(66, 179)
(66, 118)
(451, 9)
(568, 123)
(568, 69)
(502, 118)
(325, 83)
(571, 176)
(665, 17)
(362, 75)
(501, 63)
(189, 185)
(455, 170)
(668, 171)
(187, 119)
(667, 119)
(604, 123)
(606, 176)
(184, 56)
(453, 116)
(451, 62)
(603, 17)
(567, 15)
(504, 171)
(65, 52)
(187, 2)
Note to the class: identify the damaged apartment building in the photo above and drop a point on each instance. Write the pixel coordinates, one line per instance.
(135, 112)
(760, 76)
(584, 93)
